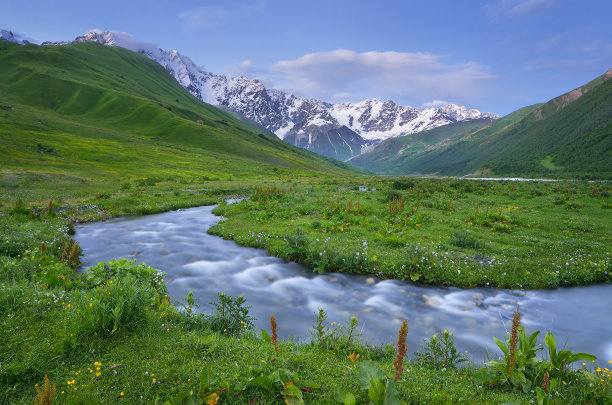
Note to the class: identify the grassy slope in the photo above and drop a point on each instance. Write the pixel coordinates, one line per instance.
(396, 155)
(564, 138)
(101, 112)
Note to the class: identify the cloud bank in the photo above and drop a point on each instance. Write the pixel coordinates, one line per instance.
(346, 75)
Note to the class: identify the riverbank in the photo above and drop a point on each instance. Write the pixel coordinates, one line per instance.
(205, 264)
(112, 337)
(516, 235)
(157, 353)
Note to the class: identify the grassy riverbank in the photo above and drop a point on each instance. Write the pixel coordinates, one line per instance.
(465, 233)
(68, 326)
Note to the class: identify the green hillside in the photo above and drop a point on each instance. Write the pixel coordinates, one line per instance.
(85, 112)
(568, 137)
(396, 155)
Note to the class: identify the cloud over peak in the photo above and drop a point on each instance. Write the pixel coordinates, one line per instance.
(347, 75)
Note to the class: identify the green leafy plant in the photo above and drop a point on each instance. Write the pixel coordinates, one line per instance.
(519, 366)
(464, 239)
(380, 389)
(231, 316)
(121, 270)
(57, 275)
(335, 336)
(558, 361)
(189, 304)
(440, 352)
(297, 245)
(110, 307)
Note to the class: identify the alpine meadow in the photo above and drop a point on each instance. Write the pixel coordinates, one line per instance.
(444, 201)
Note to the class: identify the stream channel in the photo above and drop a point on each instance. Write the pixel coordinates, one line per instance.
(176, 242)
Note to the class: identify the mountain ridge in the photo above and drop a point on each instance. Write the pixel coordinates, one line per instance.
(308, 123)
(568, 136)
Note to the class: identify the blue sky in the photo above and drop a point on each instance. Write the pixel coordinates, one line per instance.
(496, 55)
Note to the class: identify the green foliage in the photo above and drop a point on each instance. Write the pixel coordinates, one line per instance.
(231, 316)
(122, 270)
(335, 336)
(57, 275)
(525, 143)
(381, 390)
(111, 307)
(297, 245)
(523, 370)
(464, 239)
(19, 208)
(519, 372)
(439, 352)
(558, 362)
(189, 304)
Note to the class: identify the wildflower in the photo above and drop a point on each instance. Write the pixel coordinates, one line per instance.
(516, 322)
(212, 399)
(401, 349)
(274, 337)
(353, 356)
(545, 382)
(121, 393)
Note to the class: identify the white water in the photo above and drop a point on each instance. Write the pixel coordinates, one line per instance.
(177, 243)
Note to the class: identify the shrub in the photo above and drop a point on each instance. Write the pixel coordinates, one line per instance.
(297, 246)
(111, 307)
(57, 275)
(440, 352)
(121, 270)
(231, 316)
(335, 336)
(402, 185)
(463, 239)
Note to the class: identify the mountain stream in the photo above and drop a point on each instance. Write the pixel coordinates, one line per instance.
(177, 243)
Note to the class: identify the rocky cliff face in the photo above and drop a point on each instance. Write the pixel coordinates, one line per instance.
(339, 130)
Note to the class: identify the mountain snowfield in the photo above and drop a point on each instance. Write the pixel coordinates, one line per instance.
(339, 130)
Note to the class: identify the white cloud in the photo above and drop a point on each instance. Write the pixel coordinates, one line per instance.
(346, 75)
(436, 103)
(504, 9)
(126, 40)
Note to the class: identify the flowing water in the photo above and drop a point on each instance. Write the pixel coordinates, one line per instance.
(177, 243)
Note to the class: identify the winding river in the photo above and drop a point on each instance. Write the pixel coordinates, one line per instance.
(177, 243)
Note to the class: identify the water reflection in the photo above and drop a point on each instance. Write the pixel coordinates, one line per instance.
(177, 243)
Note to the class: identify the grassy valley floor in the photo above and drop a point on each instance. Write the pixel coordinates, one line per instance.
(113, 337)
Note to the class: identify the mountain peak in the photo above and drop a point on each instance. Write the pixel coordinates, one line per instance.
(10, 36)
(344, 126)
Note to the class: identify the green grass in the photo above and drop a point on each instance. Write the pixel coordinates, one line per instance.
(92, 132)
(446, 232)
(574, 133)
(98, 113)
(158, 354)
(548, 163)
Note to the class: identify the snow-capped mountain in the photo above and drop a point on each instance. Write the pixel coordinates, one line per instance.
(339, 130)
(10, 36)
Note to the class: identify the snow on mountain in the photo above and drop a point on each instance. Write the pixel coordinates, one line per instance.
(337, 130)
(10, 36)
